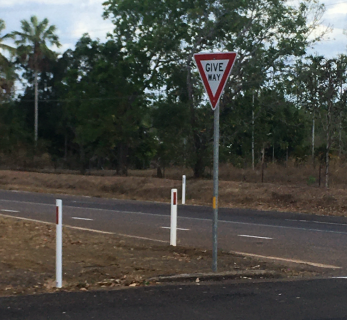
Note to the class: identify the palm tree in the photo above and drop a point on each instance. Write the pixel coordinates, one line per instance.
(32, 48)
(7, 74)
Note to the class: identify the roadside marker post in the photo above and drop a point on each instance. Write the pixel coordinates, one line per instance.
(59, 244)
(173, 225)
(214, 69)
(183, 189)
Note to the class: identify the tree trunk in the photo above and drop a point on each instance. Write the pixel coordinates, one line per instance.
(36, 108)
(327, 147)
(262, 163)
(159, 172)
(199, 168)
(65, 148)
(287, 156)
(327, 163)
(122, 159)
(340, 135)
(83, 165)
(313, 128)
(253, 132)
(199, 146)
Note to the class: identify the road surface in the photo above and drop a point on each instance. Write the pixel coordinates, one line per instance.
(316, 240)
(294, 300)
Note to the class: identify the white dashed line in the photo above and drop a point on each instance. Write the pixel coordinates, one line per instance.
(6, 210)
(77, 218)
(248, 236)
(176, 228)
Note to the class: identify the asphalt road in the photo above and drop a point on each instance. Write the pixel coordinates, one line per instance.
(313, 239)
(295, 300)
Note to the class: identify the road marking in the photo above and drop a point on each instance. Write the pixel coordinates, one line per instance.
(77, 218)
(313, 264)
(6, 210)
(85, 229)
(338, 224)
(338, 277)
(248, 236)
(320, 222)
(176, 228)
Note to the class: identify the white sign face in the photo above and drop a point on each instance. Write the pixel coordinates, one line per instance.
(214, 70)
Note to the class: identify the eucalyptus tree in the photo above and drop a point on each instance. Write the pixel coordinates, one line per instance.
(33, 50)
(304, 86)
(163, 35)
(7, 72)
(333, 75)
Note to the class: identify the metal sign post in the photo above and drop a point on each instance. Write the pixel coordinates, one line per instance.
(214, 69)
(215, 188)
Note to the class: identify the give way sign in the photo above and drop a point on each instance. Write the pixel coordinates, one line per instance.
(214, 69)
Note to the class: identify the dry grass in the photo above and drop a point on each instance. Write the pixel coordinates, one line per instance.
(290, 196)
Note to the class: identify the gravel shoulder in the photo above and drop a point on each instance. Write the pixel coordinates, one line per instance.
(97, 262)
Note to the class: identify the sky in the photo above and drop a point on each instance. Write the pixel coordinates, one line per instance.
(73, 18)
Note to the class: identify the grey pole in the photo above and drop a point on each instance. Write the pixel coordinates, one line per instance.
(215, 187)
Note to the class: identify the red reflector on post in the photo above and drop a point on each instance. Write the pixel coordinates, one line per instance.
(175, 198)
(57, 215)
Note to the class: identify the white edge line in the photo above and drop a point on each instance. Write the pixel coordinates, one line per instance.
(320, 222)
(85, 229)
(249, 236)
(319, 265)
(313, 264)
(176, 228)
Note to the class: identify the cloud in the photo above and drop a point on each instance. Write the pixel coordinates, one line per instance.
(336, 44)
(72, 18)
(339, 9)
(16, 3)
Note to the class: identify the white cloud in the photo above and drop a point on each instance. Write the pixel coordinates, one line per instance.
(75, 17)
(340, 8)
(82, 3)
(72, 18)
(336, 44)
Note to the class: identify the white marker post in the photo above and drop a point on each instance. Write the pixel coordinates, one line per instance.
(183, 189)
(173, 226)
(59, 244)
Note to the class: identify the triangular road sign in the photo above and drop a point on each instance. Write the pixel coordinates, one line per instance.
(214, 69)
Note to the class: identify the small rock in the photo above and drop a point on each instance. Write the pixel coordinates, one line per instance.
(197, 280)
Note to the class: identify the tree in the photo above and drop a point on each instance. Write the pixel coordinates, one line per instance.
(163, 35)
(7, 73)
(318, 87)
(106, 111)
(33, 50)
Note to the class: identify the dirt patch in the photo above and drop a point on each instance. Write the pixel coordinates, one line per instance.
(98, 261)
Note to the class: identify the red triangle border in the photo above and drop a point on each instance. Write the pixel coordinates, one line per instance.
(231, 56)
